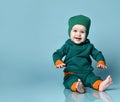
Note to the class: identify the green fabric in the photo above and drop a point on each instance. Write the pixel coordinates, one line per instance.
(80, 19)
(78, 56)
(78, 60)
(87, 79)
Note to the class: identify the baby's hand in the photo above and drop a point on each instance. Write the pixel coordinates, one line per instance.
(60, 64)
(101, 64)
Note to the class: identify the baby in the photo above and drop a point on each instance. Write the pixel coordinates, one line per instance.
(77, 64)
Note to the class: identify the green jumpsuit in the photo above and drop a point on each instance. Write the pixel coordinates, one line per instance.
(77, 58)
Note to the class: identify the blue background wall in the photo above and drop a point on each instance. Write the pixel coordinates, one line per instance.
(31, 30)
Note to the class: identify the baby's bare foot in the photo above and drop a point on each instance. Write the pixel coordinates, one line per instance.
(80, 88)
(105, 84)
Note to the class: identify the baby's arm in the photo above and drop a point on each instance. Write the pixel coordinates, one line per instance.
(98, 56)
(60, 64)
(101, 64)
(58, 55)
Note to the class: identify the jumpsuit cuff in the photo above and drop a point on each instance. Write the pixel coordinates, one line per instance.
(101, 62)
(58, 62)
(96, 84)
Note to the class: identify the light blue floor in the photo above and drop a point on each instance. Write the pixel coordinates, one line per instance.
(59, 94)
(53, 91)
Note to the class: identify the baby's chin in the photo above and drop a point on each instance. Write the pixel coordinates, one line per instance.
(78, 42)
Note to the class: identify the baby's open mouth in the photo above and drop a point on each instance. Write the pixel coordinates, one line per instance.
(78, 38)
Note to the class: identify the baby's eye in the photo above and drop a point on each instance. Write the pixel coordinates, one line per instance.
(82, 31)
(74, 30)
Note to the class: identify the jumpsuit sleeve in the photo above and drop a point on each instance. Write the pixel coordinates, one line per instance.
(59, 54)
(97, 55)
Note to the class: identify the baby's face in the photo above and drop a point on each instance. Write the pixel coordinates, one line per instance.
(78, 34)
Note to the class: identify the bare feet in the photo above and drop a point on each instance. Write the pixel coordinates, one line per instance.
(105, 84)
(80, 88)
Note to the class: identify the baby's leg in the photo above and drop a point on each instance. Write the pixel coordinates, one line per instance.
(74, 83)
(105, 83)
(79, 87)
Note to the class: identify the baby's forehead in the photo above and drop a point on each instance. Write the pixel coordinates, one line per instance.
(78, 26)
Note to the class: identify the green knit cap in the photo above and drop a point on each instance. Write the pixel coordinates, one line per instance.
(79, 19)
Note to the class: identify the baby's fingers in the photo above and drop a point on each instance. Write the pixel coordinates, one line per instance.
(61, 66)
(101, 66)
